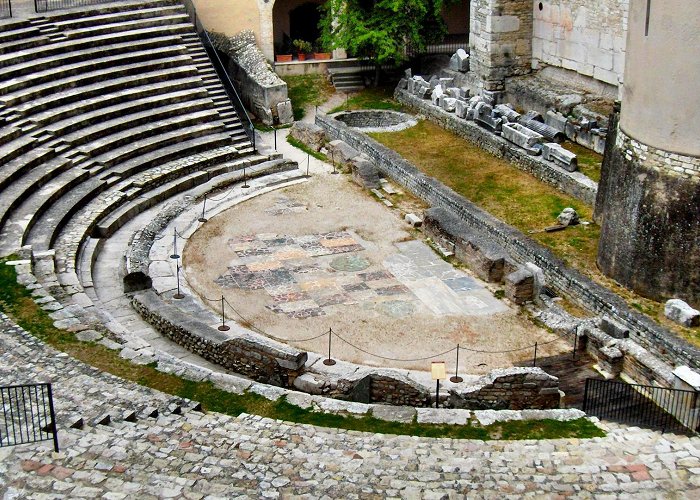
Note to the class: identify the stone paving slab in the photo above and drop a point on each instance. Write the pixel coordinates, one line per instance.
(196, 455)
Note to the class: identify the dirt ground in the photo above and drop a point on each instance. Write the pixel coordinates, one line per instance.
(325, 254)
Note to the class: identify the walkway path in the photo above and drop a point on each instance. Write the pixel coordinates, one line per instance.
(211, 455)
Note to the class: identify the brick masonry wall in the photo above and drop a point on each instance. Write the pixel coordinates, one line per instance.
(522, 249)
(585, 36)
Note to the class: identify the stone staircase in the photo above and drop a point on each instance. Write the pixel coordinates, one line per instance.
(347, 79)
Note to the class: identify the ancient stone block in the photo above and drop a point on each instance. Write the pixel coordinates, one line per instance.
(483, 115)
(538, 274)
(413, 220)
(613, 328)
(523, 137)
(403, 84)
(308, 133)
(520, 286)
(556, 120)
(568, 217)
(284, 112)
(436, 94)
(461, 108)
(341, 152)
(364, 172)
(549, 133)
(680, 312)
(506, 111)
(460, 61)
(448, 103)
(553, 152)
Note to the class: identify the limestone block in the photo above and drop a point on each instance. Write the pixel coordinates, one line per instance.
(308, 133)
(461, 109)
(447, 82)
(613, 328)
(408, 73)
(507, 111)
(341, 152)
(523, 137)
(436, 94)
(520, 286)
(460, 61)
(403, 84)
(434, 81)
(484, 115)
(553, 152)
(284, 112)
(556, 120)
(413, 220)
(538, 274)
(454, 92)
(448, 104)
(568, 217)
(680, 312)
(502, 24)
(364, 172)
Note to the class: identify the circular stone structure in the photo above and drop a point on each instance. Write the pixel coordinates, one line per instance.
(296, 262)
(376, 120)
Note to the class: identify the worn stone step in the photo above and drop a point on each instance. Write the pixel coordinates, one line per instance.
(152, 133)
(100, 88)
(59, 54)
(119, 16)
(177, 23)
(76, 130)
(143, 88)
(35, 85)
(23, 43)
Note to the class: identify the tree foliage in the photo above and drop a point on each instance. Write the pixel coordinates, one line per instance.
(382, 30)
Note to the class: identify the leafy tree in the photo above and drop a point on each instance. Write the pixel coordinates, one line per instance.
(383, 31)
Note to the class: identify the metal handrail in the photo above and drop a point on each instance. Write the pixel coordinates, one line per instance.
(221, 71)
(47, 5)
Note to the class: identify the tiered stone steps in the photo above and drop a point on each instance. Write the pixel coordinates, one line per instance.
(103, 113)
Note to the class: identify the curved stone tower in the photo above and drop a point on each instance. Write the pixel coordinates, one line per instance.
(649, 195)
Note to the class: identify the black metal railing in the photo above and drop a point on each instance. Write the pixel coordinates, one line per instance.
(222, 72)
(667, 410)
(5, 9)
(448, 45)
(27, 415)
(47, 5)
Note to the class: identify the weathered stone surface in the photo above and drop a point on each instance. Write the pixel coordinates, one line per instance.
(523, 137)
(308, 133)
(520, 286)
(448, 103)
(460, 61)
(484, 115)
(341, 152)
(413, 220)
(461, 108)
(613, 328)
(539, 276)
(394, 413)
(285, 114)
(680, 312)
(364, 172)
(564, 158)
(568, 217)
(436, 94)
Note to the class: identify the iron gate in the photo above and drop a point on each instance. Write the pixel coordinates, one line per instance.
(27, 415)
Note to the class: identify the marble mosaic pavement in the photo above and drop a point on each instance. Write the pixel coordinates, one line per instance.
(315, 274)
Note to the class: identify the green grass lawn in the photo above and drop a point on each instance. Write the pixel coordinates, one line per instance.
(307, 90)
(16, 302)
(589, 161)
(370, 98)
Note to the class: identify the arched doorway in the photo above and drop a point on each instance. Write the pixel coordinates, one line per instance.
(295, 19)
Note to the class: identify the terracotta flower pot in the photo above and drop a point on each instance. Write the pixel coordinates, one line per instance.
(322, 55)
(301, 57)
(283, 57)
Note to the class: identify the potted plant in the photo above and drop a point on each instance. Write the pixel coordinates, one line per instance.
(321, 50)
(303, 47)
(284, 49)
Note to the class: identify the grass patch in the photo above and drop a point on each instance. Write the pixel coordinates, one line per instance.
(307, 90)
(518, 199)
(306, 149)
(17, 303)
(499, 188)
(370, 98)
(589, 161)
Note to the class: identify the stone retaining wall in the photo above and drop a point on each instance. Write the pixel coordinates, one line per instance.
(572, 183)
(522, 249)
(269, 362)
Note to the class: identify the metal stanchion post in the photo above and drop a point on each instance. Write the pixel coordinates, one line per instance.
(204, 207)
(178, 295)
(456, 379)
(333, 162)
(573, 353)
(328, 361)
(275, 138)
(534, 360)
(175, 255)
(224, 327)
(245, 181)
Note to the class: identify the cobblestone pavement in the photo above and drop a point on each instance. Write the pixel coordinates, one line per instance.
(197, 455)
